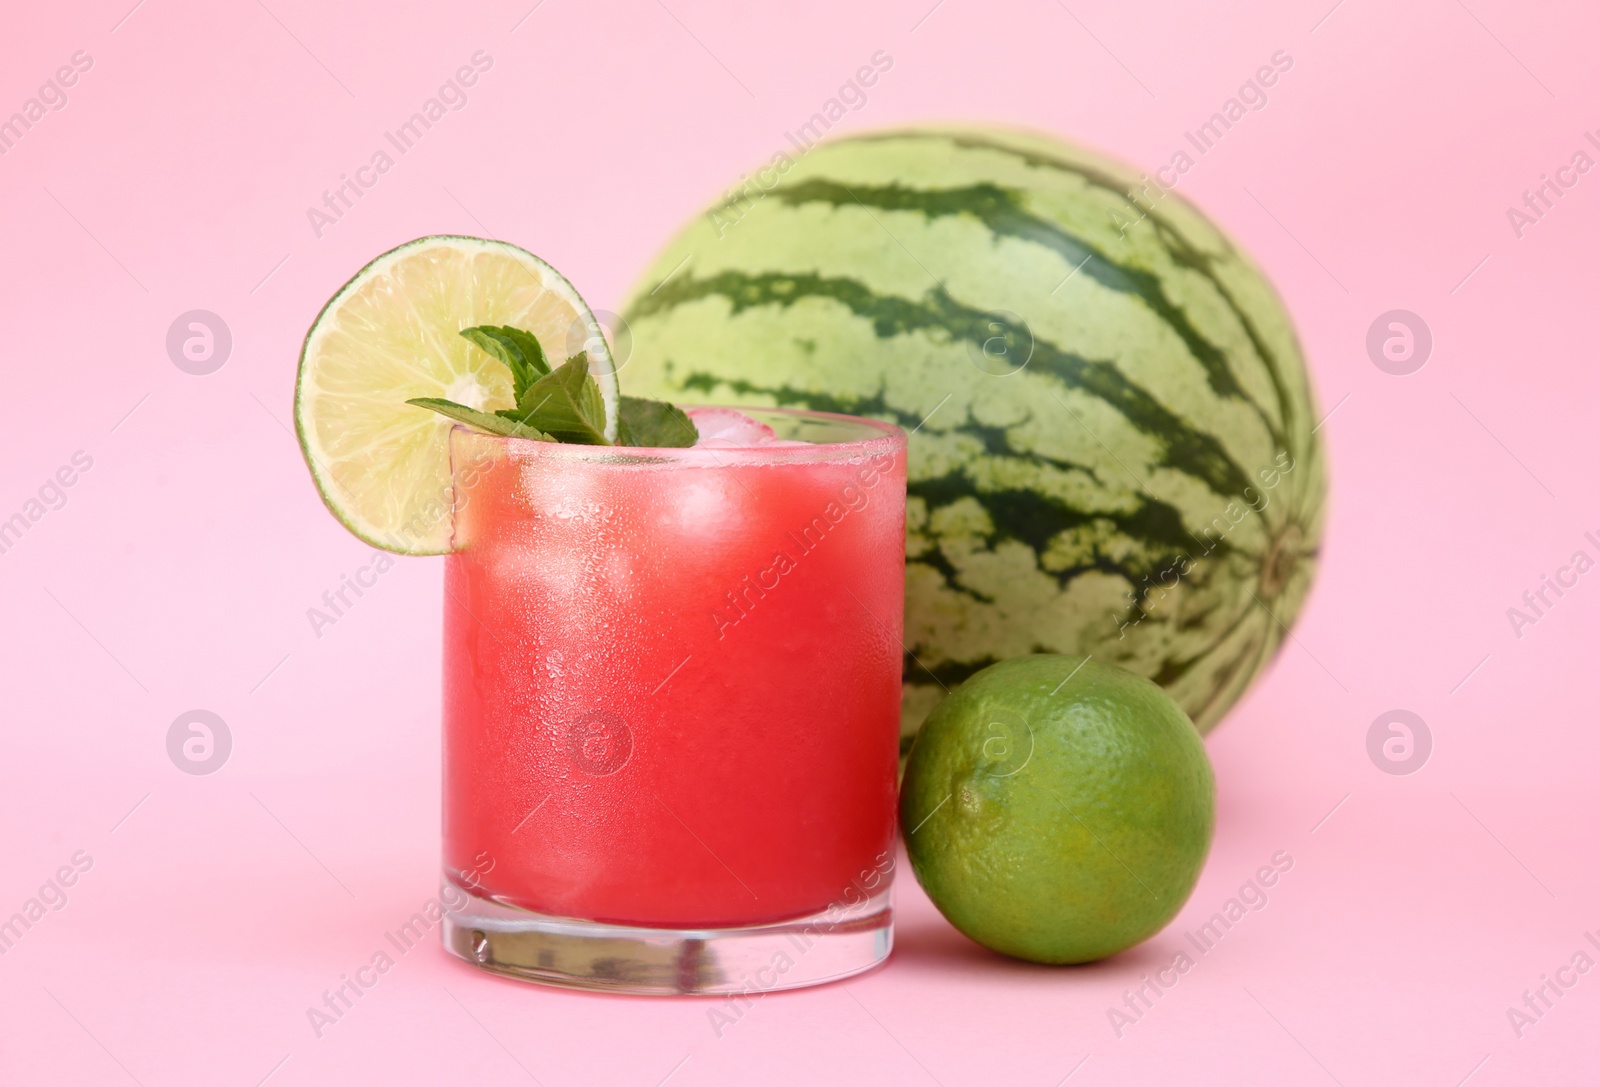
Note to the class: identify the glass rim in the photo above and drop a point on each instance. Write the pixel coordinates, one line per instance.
(875, 438)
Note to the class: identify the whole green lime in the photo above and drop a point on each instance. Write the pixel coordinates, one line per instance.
(1058, 809)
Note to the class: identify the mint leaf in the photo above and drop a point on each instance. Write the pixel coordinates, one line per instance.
(532, 350)
(518, 350)
(566, 404)
(508, 353)
(642, 422)
(482, 420)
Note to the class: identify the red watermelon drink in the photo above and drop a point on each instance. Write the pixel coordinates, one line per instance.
(672, 703)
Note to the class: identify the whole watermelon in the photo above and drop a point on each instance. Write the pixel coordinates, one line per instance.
(1113, 437)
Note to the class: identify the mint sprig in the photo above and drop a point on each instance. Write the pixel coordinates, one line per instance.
(561, 404)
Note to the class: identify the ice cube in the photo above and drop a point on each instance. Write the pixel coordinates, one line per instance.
(724, 428)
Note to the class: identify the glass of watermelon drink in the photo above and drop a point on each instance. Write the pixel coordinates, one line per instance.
(672, 703)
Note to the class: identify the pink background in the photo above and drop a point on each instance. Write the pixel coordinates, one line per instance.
(179, 572)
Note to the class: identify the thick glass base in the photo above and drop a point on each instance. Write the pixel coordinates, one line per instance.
(836, 943)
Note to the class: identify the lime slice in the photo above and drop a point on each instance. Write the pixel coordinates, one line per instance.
(390, 334)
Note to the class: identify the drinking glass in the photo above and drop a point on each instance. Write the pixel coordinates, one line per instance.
(672, 705)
